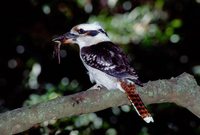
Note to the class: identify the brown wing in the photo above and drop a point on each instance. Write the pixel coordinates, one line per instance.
(109, 58)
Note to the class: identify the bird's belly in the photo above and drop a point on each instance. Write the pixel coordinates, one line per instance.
(102, 78)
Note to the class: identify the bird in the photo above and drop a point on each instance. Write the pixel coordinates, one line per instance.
(107, 65)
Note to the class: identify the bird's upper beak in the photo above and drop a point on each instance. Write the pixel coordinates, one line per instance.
(66, 38)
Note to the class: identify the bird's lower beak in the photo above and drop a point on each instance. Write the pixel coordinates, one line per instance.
(66, 38)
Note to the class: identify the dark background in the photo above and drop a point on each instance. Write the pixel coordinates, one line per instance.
(23, 23)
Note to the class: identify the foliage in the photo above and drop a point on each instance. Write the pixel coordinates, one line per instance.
(140, 26)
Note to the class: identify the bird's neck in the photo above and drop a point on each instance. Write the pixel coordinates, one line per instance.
(93, 42)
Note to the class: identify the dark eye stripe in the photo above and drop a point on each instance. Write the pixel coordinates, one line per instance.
(93, 33)
(102, 31)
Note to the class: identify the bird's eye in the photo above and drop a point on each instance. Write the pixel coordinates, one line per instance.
(81, 31)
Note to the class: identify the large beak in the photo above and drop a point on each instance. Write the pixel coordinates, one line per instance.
(66, 38)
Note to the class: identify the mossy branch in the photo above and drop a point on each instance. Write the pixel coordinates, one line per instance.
(182, 90)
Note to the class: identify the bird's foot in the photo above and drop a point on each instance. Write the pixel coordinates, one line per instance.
(97, 86)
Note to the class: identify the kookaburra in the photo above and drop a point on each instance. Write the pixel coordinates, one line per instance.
(106, 63)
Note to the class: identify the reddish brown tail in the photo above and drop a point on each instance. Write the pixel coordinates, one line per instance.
(136, 101)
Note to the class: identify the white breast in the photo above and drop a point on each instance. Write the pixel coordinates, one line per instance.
(101, 78)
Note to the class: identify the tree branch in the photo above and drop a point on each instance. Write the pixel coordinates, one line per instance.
(182, 90)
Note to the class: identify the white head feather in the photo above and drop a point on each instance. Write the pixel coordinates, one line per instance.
(86, 40)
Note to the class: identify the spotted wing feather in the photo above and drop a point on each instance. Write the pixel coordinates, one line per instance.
(109, 58)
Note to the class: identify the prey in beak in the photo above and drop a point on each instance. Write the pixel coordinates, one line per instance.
(64, 39)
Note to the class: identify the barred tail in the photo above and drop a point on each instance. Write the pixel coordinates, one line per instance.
(136, 101)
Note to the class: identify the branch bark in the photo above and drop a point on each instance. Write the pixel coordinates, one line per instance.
(182, 90)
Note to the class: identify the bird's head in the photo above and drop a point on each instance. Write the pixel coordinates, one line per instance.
(83, 35)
